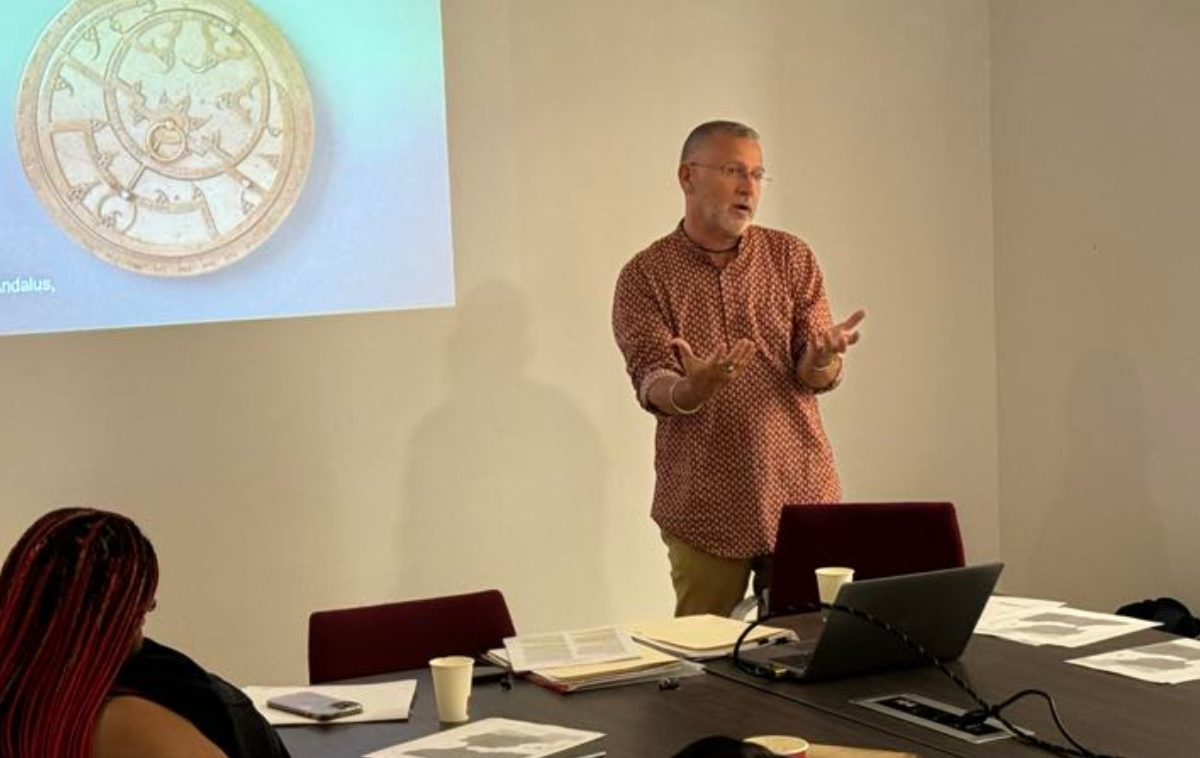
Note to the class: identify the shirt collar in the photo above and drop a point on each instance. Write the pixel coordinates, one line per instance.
(691, 246)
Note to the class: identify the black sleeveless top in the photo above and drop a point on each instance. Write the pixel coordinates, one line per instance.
(219, 710)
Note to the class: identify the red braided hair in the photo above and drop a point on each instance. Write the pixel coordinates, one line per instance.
(73, 594)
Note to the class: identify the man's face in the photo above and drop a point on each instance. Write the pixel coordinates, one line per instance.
(721, 195)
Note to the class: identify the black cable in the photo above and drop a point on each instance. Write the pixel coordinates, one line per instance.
(981, 714)
(994, 711)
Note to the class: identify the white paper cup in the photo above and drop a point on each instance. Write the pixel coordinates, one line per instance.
(780, 744)
(452, 687)
(830, 579)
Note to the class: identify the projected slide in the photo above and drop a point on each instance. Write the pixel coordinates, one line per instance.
(176, 161)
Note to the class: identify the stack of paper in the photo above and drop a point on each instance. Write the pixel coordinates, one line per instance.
(647, 665)
(704, 637)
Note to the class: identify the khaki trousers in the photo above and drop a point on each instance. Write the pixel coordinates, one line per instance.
(707, 583)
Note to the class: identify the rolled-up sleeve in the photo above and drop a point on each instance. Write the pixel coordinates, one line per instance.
(811, 315)
(643, 333)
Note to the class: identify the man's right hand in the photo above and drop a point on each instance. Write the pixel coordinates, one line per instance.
(702, 377)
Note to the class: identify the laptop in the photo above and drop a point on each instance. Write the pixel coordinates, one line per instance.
(939, 609)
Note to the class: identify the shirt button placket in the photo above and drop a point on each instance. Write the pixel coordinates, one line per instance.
(725, 292)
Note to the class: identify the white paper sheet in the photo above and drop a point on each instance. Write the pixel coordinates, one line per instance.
(491, 737)
(384, 701)
(1170, 662)
(1005, 608)
(554, 649)
(1064, 627)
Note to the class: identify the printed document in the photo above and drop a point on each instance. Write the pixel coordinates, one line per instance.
(1064, 627)
(1002, 608)
(1163, 662)
(553, 649)
(492, 737)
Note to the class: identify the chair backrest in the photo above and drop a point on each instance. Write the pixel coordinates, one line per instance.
(376, 639)
(874, 539)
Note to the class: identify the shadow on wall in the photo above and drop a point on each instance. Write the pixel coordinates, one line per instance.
(1102, 542)
(503, 482)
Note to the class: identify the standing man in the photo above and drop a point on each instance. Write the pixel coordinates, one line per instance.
(728, 339)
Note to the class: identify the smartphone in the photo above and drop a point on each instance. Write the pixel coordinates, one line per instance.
(314, 705)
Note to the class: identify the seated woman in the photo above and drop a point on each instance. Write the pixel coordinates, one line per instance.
(77, 680)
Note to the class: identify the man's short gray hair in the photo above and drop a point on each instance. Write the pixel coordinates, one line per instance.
(709, 129)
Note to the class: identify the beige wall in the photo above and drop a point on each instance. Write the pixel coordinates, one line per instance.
(287, 466)
(1097, 167)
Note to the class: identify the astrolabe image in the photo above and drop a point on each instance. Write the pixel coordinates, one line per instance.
(167, 137)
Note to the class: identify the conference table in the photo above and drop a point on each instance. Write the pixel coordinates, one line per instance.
(637, 720)
(1109, 714)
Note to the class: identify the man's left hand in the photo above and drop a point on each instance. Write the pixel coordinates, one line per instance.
(826, 348)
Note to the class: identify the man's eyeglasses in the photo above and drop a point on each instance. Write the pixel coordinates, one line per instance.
(734, 171)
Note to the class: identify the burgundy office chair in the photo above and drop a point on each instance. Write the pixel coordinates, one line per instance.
(874, 539)
(376, 639)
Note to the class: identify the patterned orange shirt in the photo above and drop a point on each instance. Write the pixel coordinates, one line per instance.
(724, 473)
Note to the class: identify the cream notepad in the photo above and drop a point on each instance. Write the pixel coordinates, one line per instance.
(647, 658)
(704, 633)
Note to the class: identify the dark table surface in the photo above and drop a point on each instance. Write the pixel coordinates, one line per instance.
(637, 720)
(1110, 714)
(1107, 713)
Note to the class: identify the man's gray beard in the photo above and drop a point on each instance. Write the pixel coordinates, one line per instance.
(730, 225)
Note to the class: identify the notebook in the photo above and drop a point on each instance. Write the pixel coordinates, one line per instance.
(936, 608)
(704, 637)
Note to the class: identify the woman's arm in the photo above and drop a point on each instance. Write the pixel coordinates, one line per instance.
(133, 727)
